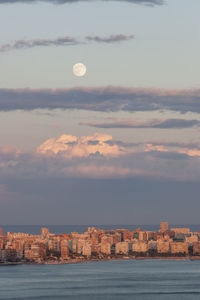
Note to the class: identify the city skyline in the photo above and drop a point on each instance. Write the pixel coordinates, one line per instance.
(98, 244)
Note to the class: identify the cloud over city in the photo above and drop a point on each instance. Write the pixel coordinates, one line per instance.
(100, 156)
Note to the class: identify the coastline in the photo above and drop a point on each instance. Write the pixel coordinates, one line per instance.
(85, 260)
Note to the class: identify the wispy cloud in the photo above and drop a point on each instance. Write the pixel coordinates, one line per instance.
(188, 152)
(142, 2)
(23, 44)
(188, 145)
(63, 41)
(110, 39)
(161, 124)
(101, 99)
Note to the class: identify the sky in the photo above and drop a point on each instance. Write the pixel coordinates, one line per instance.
(119, 145)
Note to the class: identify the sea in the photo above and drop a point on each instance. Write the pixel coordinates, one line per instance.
(103, 280)
(149, 279)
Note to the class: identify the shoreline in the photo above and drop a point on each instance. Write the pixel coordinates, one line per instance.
(84, 260)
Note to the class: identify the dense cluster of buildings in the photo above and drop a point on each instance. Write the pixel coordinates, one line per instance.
(98, 244)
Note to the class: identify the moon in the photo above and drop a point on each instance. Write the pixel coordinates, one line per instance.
(79, 69)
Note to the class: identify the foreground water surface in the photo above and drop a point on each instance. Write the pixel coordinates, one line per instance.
(124, 280)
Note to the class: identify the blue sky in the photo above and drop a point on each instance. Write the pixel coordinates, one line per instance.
(119, 145)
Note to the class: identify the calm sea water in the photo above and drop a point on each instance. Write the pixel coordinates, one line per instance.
(113, 280)
(35, 229)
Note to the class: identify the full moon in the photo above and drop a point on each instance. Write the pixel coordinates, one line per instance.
(79, 69)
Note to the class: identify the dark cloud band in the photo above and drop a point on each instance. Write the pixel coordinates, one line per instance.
(101, 99)
(160, 124)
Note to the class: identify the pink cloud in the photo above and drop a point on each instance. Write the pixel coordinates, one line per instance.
(159, 148)
(70, 156)
(6, 149)
(71, 146)
(190, 152)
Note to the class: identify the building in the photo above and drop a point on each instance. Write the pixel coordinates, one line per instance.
(74, 246)
(122, 248)
(163, 247)
(10, 255)
(53, 244)
(87, 249)
(106, 248)
(191, 239)
(1, 243)
(117, 238)
(142, 236)
(35, 251)
(179, 248)
(96, 248)
(64, 249)
(163, 226)
(127, 235)
(140, 247)
(107, 239)
(180, 230)
(44, 233)
(80, 244)
(196, 248)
